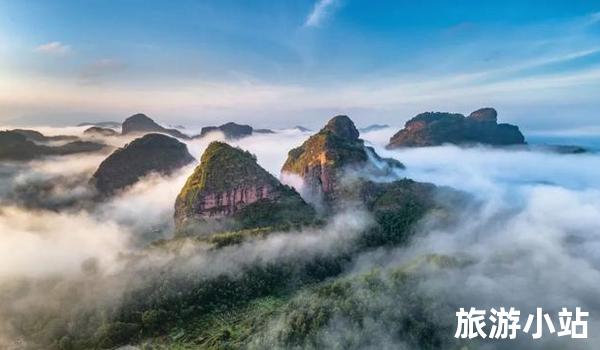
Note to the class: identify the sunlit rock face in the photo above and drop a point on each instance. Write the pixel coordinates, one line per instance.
(321, 160)
(437, 128)
(229, 184)
(152, 153)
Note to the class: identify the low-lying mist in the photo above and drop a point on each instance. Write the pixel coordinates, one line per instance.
(531, 234)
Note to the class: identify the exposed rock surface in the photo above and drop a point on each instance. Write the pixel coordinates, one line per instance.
(437, 128)
(321, 160)
(486, 114)
(15, 146)
(98, 131)
(230, 130)
(151, 153)
(230, 187)
(142, 124)
(37, 136)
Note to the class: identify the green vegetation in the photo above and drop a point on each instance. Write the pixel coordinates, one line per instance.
(207, 291)
(150, 153)
(325, 158)
(396, 206)
(287, 210)
(335, 150)
(226, 171)
(222, 167)
(177, 306)
(377, 308)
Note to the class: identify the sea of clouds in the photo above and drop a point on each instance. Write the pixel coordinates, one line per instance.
(532, 231)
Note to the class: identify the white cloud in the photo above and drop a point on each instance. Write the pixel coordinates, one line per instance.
(319, 12)
(54, 48)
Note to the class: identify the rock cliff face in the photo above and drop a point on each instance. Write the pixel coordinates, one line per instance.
(230, 130)
(321, 160)
(150, 153)
(436, 128)
(98, 131)
(142, 124)
(229, 187)
(16, 146)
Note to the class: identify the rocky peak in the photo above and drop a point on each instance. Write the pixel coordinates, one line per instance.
(321, 160)
(138, 123)
(437, 128)
(433, 117)
(484, 115)
(141, 124)
(230, 187)
(151, 153)
(100, 131)
(231, 130)
(343, 127)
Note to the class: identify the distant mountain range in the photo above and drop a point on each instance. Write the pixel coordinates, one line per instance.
(374, 127)
(113, 125)
(20, 145)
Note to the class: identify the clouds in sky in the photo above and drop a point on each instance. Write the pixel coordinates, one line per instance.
(55, 48)
(253, 102)
(320, 11)
(371, 62)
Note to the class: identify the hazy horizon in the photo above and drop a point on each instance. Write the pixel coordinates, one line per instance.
(276, 65)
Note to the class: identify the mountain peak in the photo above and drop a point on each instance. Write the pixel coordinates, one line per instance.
(150, 153)
(486, 114)
(229, 187)
(342, 126)
(140, 116)
(231, 130)
(140, 123)
(438, 128)
(321, 160)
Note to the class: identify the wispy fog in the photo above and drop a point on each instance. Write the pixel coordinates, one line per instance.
(531, 234)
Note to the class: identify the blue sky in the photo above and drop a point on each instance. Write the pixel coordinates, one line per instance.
(280, 63)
